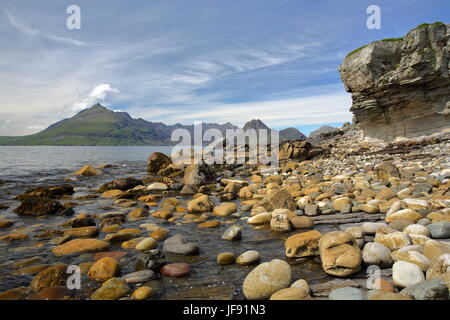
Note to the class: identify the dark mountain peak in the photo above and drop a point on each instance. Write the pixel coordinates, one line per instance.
(321, 130)
(255, 124)
(291, 134)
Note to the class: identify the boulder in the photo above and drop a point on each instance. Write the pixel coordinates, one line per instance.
(88, 171)
(177, 244)
(266, 279)
(394, 240)
(439, 230)
(340, 254)
(348, 293)
(199, 174)
(81, 246)
(51, 277)
(225, 209)
(104, 269)
(434, 289)
(37, 206)
(201, 204)
(405, 274)
(304, 244)
(111, 289)
(440, 269)
(377, 254)
(157, 161)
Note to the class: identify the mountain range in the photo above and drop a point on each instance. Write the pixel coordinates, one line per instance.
(99, 126)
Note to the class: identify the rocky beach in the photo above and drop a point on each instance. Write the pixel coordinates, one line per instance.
(361, 212)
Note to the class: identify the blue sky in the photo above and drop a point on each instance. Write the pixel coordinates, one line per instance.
(189, 60)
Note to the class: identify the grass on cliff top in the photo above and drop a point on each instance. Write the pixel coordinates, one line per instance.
(398, 39)
(437, 23)
(382, 40)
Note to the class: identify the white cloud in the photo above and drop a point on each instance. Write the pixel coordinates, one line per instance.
(97, 94)
(24, 27)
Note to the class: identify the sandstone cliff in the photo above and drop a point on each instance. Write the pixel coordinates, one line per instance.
(401, 87)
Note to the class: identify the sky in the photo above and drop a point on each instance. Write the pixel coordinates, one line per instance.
(183, 61)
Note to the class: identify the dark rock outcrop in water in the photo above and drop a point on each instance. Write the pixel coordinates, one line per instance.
(401, 87)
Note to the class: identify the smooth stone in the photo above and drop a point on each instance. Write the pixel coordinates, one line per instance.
(405, 274)
(51, 277)
(248, 258)
(140, 276)
(434, 289)
(266, 279)
(146, 244)
(104, 269)
(142, 293)
(348, 293)
(377, 254)
(111, 289)
(292, 293)
(226, 258)
(439, 230)
(177, 244)
(232, 233)
(176, 270)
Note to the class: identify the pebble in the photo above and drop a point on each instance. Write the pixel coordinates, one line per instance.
(176, 270)
(248, 258)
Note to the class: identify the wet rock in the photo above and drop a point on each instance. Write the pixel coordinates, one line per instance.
(262, 218)
(177, 244)
(304, 244)
(13, 237)
(146, 244)
(111, 289)
(36, 206)
(157, 161)
(434, 289)
(79, 222)
(176, 270)
(14, 294)
(88, 171)
(199, 174)
(81, 246)
(280, 220)
(377, 254)
(348, 293)
(53, 293)
(150, 260)
(281, 199)
(187, 191)
(140, 276)
(340, 254)
(292, 293)
(201, 204)
(51, 192)
(266, 279)
(51, 277)
(209, 224)
(138, 213)
(104, 269)
(110, 254)
(4, 224)
(82, 232)
(232, 233)
(30, 270)
(225, 209)
(248, 258)
(226, 258)
(405, 274)
(142, 293)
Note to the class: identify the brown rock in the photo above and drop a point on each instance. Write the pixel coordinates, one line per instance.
(104, 269)
(176, 270)
(304, 244)
(51, 277)
(81, 246)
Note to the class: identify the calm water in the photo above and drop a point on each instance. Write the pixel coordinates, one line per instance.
(22, 161)
(26, 167)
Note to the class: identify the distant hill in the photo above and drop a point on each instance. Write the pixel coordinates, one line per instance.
(291, 134)
(98, 126)
(321, 130)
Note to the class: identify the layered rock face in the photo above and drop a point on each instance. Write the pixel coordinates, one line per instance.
(401, 87)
